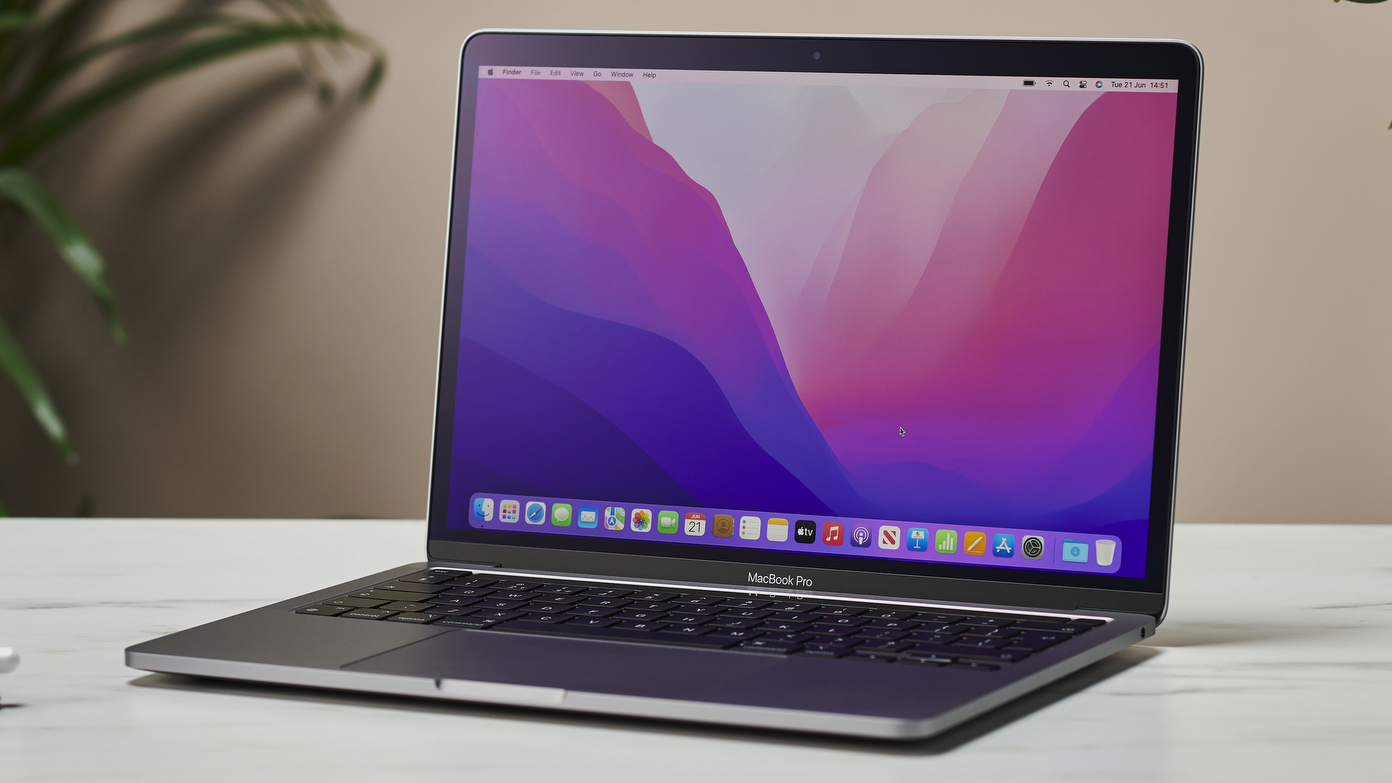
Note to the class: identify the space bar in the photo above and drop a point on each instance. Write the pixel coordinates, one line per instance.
(652, 637)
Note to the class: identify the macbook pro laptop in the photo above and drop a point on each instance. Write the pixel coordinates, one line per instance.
(815, 383)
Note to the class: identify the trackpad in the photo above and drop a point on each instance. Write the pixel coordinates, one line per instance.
(570, 664)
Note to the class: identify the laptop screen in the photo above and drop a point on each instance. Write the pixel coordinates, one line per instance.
(909, 318)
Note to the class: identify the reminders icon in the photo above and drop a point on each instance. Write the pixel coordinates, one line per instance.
(751, 527)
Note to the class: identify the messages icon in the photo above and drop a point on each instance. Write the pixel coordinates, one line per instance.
(560, 514)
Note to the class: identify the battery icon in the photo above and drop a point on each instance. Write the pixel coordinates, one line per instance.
(1029, 82)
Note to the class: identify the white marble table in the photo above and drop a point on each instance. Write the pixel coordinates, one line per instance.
(1275, 664)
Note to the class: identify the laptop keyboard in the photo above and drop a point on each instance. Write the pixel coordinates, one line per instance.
(767, 625)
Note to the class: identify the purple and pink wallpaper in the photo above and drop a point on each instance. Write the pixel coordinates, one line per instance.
(949, 317)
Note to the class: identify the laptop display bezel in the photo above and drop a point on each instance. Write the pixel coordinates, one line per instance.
(940, 56)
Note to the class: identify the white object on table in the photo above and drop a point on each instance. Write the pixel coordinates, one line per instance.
(1275, 664)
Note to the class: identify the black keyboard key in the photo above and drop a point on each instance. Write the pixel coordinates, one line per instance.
(516, 586)
(782, 626)
(469, 622)
(681, 618)
(794, 607)
(590, 622)
(411, 587)
(495, 614)
(607, 592)
(838, 611)
(688, 630)
(467, 592)
(728, 622)
(652, 597)
(767, 646)
(976, 642)
(640, 626)
(428, 578)
(793, 617)
(454, 600)
(881, 633)
(392, 595)
(323, 609)
(614, 632)
(405, 606)
(933, 638)
(734, 634)
(893, 625)
(926, 660)
(744, 603)
(546, 607)
(824, 651)
(979, 666)
(745, 614)
(936, 619)
(640, 616)
(831, 630)
(882, 645)
(1069, 629)
(652, 606)
(605, 603)
(591, 611)
(977, 632)
(494, 603)
(561, 589)
(953, 651)
(367, 614)
(546, 618)
(1036, 641)
(471, 581)
(871, 657)
(987, 622)
(413, 617)
(886, 614)
(359, 603)
(705, 611)
(698, 600)
(787, 638)
(450, 611)
(1041, 620)
(514, 595)
(840, 622)
(833, 641)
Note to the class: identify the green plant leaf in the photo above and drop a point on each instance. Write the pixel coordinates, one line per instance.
(13, 21)
(53, 124)
(19, 369)
(43, 81)
(30, 195)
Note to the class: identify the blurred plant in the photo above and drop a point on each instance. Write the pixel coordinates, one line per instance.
(46, 58)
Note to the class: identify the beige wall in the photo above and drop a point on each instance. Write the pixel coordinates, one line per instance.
(280, 266)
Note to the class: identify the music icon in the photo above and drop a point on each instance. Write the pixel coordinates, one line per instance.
(831, 534)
